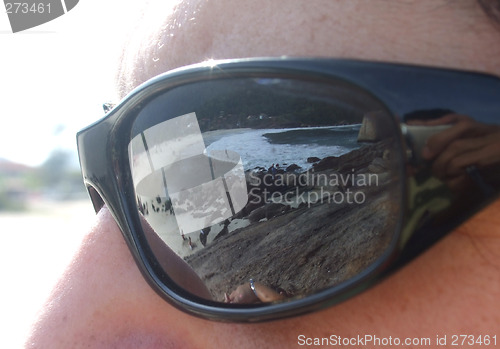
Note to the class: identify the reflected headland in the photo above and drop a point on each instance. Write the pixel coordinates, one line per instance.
(295, 185)
(308, 225)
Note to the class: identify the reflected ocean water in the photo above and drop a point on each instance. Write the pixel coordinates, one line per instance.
(263, 147)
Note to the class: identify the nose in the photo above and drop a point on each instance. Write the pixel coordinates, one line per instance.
(102, 300)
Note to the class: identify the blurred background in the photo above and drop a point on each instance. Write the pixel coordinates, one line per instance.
(54, 79)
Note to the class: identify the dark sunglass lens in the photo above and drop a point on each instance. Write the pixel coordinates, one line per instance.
(293, 184)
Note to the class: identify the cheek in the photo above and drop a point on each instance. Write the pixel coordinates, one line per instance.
(102, 300)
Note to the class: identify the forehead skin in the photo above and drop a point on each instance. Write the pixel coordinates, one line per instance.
(431, 32)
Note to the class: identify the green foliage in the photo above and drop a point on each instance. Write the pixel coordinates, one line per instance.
(53, 170)
(56, 178)
(56, 175)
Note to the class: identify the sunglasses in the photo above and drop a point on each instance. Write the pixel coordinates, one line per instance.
(252, 190)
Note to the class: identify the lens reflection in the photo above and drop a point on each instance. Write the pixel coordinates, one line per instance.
(292, 184)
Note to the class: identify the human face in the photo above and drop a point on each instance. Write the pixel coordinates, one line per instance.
(102, 300)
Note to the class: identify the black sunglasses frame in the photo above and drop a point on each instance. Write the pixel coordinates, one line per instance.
(402, 88)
